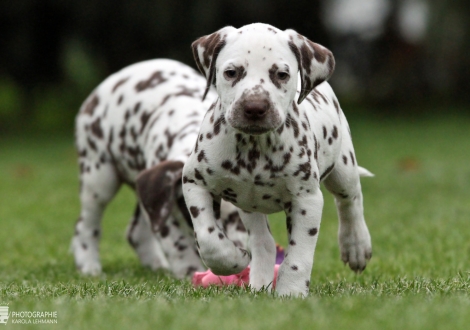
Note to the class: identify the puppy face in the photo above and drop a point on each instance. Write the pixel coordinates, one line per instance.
(256, 78)
(255, 70)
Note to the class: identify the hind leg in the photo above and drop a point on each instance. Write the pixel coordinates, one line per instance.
(172, 247)
(144, 242)
(353, 236)
(178, 242)
(99, 184)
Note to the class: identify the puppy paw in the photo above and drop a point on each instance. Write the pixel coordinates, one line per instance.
(227, 262)
(90, 268)
(355, 246)
(86, 257)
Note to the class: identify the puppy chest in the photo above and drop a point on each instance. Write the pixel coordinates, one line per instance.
(251, 185)
(252, 193)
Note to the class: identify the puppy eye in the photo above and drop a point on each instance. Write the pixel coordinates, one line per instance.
(230, 73)
(282, 75)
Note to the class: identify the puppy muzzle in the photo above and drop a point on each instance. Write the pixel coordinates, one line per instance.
(254, 114)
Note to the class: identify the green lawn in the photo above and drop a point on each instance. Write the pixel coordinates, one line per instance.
(417, 208)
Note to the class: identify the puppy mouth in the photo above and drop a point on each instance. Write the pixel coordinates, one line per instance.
(253, 130)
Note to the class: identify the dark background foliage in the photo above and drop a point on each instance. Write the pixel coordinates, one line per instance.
(54, 52)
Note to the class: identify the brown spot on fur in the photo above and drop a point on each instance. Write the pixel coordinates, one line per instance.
(227, 164)
(90, 106)
(190, 92)
(352, 158)
(201, 156)
(335, 103)
(295, 126)
(304, 168)
(273, 76)
(296, 109)
(96, 129)
(92, 144)
(199, 176)
(335, 132)
(241, 73)
(144, 120)
(154, 80)
(194, 211)
(327, 171)
(216, 209)
(313, 231)
(218, 123)
(164, 230)
(320, 53)
(118, 84)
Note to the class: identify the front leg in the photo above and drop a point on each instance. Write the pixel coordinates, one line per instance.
(303, 224)
(263, 249)
(218, 252)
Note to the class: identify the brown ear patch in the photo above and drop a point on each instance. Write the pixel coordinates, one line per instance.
(210, 46)
(209, 43)
(322, 54)
(316, 63)
(156, 191)
(206, 50)
(319, 53)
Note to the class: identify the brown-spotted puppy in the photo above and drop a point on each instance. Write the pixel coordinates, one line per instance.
(138, 127)
(266, 145)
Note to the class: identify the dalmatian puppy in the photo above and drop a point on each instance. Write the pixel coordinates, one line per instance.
(265, 145)
(138, 127)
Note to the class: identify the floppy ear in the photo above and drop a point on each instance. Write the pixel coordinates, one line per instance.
(205, 52)
(316, 63)
(156, 191)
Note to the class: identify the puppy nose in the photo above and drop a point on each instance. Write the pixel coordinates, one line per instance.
(255, 110)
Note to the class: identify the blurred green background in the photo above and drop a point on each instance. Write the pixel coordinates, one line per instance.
(393, 57)
(402, 77)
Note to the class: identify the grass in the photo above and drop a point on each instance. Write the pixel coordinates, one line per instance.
(417, 208)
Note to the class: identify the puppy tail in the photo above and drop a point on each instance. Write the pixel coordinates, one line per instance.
(364, 172)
